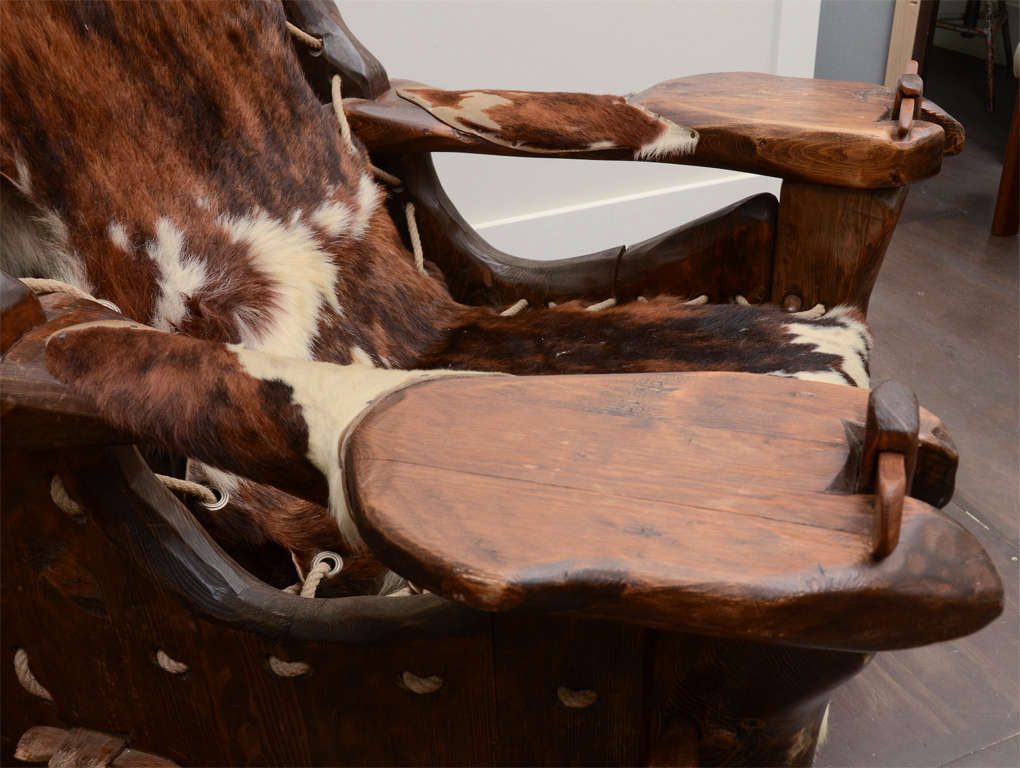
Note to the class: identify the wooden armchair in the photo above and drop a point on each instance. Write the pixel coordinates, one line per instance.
(845, 151)
(664, 569)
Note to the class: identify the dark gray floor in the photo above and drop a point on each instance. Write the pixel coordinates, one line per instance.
(945, 318)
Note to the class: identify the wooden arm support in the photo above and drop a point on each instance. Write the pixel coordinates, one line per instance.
(820, 131)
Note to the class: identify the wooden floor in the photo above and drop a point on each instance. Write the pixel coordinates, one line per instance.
(945, 318)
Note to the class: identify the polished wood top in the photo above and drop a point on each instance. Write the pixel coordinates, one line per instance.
(715, 503)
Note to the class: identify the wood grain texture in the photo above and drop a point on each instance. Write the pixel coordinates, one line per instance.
(890, 493)
(822, 131)
(19, 311)
(830, 242)
(892, 425)
(691, 502)
(504, 673)
(39, 744)
(87, 749)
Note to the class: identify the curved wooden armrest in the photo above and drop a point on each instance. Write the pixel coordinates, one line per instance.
(721, 255)
(697, 502)
(821, 131)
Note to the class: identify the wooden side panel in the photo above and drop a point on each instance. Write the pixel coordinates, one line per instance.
(752, 704)
(534, 657)
(92, 619)
(830, 243)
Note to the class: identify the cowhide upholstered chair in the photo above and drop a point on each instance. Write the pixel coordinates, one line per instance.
(669, 560)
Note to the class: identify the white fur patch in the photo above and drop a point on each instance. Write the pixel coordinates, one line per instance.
(224, 482)
(181, 274)
(850, 341)
(24, 181)
(332, 218)
(367, 198)
(331, 397)
(118, 235)
(472, 106)
(361, 357)
(303, 279)
(673, 141)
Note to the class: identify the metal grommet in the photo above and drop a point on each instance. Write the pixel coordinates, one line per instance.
(220, 503)
(322, 557)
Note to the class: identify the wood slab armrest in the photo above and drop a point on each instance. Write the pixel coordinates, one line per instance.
(821, 131)
(704, 502)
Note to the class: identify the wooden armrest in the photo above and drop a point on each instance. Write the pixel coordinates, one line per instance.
(711, 503)
(721, 255)
(821, 131)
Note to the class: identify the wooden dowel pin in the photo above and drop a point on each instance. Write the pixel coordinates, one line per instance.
(888, 459)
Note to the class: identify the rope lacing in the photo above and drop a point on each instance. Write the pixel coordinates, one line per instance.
(24, 674)
(299, 34)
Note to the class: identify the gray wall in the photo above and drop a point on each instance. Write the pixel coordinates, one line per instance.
(853, 40)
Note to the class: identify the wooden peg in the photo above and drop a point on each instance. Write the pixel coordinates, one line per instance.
(907, 103)
(892, 425)
(888, 459)
(890, 491)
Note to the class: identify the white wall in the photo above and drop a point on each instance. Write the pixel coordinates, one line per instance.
(545, 208)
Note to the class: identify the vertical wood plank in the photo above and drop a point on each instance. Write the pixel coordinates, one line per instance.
(830, 242)
(536, 656)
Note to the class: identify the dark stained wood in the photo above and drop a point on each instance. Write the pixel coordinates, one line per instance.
(830, 242)
(751, 703)
(890, 492)
(87, 749)
(722, 255)
(532, 659)
(907, 106)
(341, 53)
(505, 674)
(132, 758)
(892, 425)
(955, 135)
(822, 131)
(644, 499)
(19, 311)
(1006, 219)
(675, 746)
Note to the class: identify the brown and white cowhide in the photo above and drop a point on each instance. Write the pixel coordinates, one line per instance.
(171, 158)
